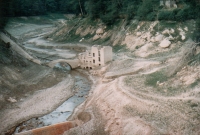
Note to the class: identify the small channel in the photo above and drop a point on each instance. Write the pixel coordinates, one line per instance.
(61, 114)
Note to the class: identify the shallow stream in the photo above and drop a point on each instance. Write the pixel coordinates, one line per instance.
(81, 90)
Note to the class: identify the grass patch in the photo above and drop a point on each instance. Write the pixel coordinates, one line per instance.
(89, 21)
(194, 83)
(194, 105)
(88, 36)
(153, 78)
(118, 48)
(167, 24)
(133, 25)
(195, 60)
(166, 53)
(71, 38)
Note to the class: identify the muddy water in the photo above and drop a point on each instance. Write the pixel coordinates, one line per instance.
(81, 90)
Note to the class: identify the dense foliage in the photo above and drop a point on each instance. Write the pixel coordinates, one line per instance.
(106, 10)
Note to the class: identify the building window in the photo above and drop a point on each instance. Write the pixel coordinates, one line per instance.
(99, 53)
(93, 61)
(99, 59)
(99, 64)
(93, 54)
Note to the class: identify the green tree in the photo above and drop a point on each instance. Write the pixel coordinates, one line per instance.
(5, 12)
(147, 10)
(111, 12)
(51, 5)
(130, 7)
(166, 15)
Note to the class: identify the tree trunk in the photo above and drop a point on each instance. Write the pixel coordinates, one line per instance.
(80, 8)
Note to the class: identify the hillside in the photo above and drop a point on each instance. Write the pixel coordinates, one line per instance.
(151, 87)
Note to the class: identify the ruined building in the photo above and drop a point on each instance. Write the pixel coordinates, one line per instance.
(168, 3)
(96, 57)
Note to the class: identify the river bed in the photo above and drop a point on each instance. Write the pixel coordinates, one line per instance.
(81, 89)
(32, 36)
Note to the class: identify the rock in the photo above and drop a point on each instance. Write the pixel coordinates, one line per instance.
(183, 37)
(12, 100)
(172, 31)
(153, 39)
(99, 31)
(165, 43)
(96, 37)
(148, 35)
(104, 35)
(103, 70)
(170, 38)
(186, 28)
(81, 39)
(159, 38)
(189, 80)
(166, 31)
(175, 6)
(138, 33)
(146, 47)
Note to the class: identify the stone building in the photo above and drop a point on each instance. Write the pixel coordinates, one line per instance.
(168, 3)
(96, 57)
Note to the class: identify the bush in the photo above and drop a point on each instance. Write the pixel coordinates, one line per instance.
(147, 9)
(153, 78)
(196, 35)
(166, 15)
(194, 105)
(181, 15)
(151, 16)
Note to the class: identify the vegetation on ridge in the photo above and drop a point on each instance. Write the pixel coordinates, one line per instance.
(107, 10)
